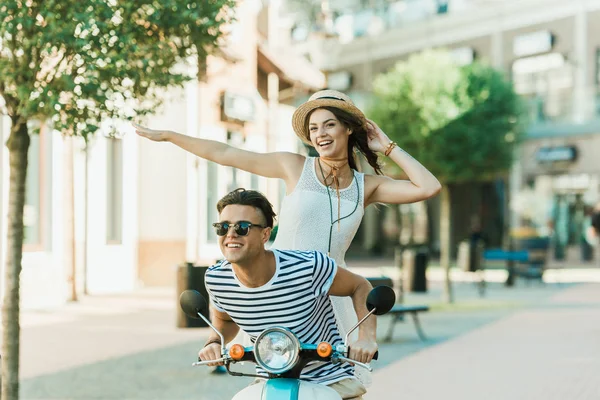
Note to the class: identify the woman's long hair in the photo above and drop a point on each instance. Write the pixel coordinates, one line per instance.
(357, 140)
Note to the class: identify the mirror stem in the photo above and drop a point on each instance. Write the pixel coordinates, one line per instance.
(223, 348)
(356, 326)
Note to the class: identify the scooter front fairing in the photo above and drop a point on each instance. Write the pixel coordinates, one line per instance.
(284, 389)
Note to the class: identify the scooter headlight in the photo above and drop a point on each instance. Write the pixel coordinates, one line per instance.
(276, 350)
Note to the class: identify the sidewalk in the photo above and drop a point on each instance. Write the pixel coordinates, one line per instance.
(127, 347)
(545, 353)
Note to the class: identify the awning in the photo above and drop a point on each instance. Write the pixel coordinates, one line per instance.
(290, 67)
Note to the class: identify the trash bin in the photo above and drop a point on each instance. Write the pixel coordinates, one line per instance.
(191, 276)
(414, 265)
(420, 276)
(587, 251)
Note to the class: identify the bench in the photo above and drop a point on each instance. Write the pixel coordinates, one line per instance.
(532, 259)
(399, 310)
(511, 256)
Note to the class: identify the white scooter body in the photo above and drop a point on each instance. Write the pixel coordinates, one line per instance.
(308, 391)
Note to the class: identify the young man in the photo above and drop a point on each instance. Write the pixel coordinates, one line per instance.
(254, 289)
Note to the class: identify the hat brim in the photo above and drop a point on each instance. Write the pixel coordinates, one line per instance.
(302, 112)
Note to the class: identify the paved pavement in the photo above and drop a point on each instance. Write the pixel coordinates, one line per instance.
(547, 352)
(528, 342)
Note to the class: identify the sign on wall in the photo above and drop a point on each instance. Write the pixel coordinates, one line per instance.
(237, 107)
(556, 154)
(533, 43)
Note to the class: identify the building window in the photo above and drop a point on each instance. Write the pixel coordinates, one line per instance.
(114, 191)
(32, 213)
(212, 189)
(546, 82)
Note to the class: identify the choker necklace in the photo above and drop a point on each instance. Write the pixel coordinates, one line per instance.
(334, 171)
(332, 221)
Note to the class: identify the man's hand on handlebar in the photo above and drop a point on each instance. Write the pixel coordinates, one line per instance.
(211, 352)
(363, 350)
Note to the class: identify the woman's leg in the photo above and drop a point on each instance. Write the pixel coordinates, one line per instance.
(349, 389)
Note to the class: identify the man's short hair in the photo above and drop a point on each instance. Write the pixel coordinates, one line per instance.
(252, 198)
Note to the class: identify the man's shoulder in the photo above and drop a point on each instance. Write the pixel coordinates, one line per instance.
(299, 255)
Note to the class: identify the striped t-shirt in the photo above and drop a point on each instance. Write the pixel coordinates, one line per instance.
(295, 298)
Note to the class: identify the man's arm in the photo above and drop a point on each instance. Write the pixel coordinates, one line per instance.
(347, 283)
(229, 329)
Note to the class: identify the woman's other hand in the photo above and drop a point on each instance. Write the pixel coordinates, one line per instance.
(378, 140)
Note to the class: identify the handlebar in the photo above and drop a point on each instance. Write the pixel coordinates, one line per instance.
(335, 357)
(351, 361)
(200, 363)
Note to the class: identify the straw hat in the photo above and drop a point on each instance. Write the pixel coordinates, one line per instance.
(323, 98)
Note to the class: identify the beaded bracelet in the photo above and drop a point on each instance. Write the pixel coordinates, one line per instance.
(389, 148)
(216, 340)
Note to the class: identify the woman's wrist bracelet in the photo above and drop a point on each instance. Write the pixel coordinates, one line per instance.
(215, 340)
(389, 148)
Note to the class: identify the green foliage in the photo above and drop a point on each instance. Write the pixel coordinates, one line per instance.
(274, 233)
(462, 123)
(86, 61)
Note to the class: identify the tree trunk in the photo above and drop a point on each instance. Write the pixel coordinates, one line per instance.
(445, 242)
(18, 146)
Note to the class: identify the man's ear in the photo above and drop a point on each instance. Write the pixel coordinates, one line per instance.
(266, 234)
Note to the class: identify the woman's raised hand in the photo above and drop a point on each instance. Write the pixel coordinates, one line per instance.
(378, 140)
(155, 135)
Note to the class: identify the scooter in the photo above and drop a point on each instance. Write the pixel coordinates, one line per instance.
(278, 351)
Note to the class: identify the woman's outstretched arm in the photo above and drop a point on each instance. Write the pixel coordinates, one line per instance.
(283, 165)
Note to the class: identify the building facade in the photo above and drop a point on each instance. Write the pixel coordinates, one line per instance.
(550, 49)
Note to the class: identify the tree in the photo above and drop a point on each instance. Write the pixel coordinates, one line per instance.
(462, 123)
(78, 64)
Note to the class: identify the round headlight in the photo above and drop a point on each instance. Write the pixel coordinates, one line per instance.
(276, 350)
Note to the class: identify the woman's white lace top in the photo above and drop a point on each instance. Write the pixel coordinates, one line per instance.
(306, 215)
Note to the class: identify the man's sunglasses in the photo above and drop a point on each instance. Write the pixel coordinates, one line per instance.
(241, 228)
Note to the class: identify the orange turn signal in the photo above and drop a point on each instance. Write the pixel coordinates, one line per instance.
(236, 352)
(324, 349)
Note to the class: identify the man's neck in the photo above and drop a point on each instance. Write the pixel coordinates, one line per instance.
(256, 272)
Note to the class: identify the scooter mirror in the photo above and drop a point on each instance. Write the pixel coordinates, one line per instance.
(192, 302)
(382, 298)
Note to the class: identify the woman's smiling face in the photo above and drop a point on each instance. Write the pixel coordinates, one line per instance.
(327, 134)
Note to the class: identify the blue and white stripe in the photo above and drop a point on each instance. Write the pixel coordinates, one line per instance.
(295, 298)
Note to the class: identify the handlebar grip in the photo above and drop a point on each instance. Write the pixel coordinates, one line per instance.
(375, 356)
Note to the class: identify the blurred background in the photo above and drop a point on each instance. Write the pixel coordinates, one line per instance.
(140, 209)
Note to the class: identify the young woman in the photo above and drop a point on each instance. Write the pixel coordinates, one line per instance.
(326, 195)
